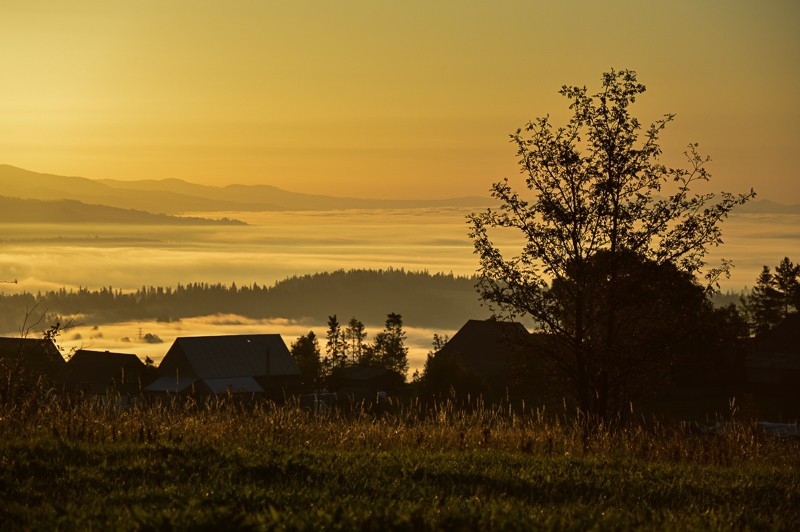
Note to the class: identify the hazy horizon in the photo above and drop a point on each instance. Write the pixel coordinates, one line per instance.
(384, 100)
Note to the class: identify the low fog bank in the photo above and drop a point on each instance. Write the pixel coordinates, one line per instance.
(280, 244)
(139, 337)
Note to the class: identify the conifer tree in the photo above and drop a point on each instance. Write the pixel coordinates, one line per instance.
(335, 355)
(774, 296)
(355, 336)
(388, 349)
(305, 351)
(787, 282)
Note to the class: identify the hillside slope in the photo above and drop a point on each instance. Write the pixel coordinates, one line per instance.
(16, 210)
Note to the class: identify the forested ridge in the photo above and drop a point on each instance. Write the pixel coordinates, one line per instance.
(424, 299)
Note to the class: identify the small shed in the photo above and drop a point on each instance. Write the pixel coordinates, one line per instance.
(101, 372)
(239, 364)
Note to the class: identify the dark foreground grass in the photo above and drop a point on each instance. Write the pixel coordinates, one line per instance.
(235, 468)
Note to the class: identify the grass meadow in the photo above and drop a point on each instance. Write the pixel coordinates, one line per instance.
(86, 465)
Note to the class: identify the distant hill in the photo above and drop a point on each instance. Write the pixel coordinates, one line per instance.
(173, 196)
(16, 210)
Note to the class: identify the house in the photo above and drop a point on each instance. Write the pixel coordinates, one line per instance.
(30, 358)
(259, 364)
(101, 372)
(478, 360)
(27, 364)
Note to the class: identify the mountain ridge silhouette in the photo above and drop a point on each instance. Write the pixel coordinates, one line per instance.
(175, 196)
(18, 210)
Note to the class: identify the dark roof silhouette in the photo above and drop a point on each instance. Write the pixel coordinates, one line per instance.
(100, 371)
(487, 347)
(224, 362)
(34, 356)
(216, 357)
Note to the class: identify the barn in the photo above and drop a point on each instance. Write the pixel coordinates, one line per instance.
(254, 364)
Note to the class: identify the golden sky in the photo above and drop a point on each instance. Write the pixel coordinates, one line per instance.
(375, 98)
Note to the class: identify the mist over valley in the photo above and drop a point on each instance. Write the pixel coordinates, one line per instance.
(75, 252)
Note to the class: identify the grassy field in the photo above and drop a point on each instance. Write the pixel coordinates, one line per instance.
(223, 466)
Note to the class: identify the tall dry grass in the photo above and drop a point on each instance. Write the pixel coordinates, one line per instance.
(227, 421)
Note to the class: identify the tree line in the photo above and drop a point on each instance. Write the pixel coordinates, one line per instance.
(775, 296)
(432, 299)
(347, 346)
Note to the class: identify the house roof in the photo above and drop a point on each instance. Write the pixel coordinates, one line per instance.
(487, 346)
(247, 355)
(35, 355)
(97, 370)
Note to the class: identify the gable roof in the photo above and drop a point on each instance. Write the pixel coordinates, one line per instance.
(35, 356)
(487, 346)
(222, 357)
(96, 371)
